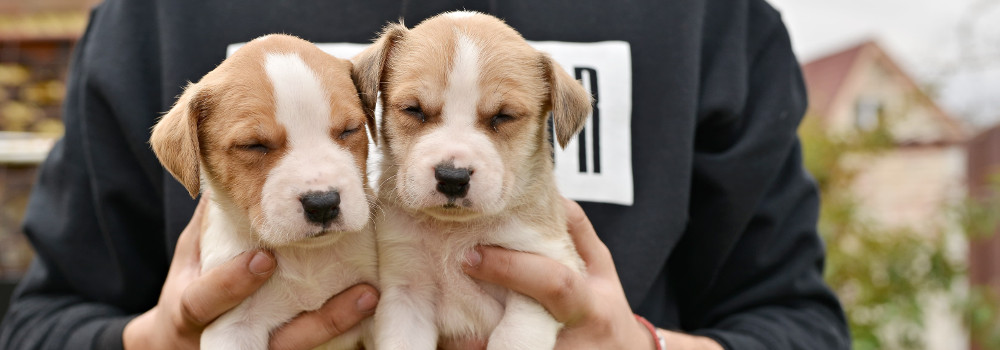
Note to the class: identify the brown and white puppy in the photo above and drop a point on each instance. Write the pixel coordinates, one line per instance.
(466, 161)
(276, 135)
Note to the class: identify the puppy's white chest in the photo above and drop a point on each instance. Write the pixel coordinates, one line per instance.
(307, 276)
(464, 306)
(426, 262)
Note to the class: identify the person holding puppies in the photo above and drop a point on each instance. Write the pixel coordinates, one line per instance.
(709, 234)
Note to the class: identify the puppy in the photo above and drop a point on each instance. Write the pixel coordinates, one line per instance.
(276, 135)
(466, 161)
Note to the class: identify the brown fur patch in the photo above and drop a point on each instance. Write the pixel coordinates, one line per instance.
(370, 67)
(175, 140)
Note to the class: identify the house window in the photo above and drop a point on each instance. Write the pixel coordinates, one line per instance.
(868, 111)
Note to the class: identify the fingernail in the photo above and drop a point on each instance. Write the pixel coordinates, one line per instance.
(473, 258)
(367, 301)
(261, 263)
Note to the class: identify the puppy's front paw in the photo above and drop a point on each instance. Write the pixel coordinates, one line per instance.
(526, 325)
(228, 336)
(539, 336)
(352, 339)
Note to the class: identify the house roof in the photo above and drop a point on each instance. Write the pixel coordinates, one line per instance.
(827, 76)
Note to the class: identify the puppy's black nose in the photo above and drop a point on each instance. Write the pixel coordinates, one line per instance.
(321, 207)
(452, 182)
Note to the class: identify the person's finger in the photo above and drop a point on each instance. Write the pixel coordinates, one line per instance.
(588, 244)
(224, 287)
(559, 289)
(336, 316)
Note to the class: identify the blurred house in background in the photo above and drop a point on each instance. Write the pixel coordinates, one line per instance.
(862, 88)
(36, 41)
(921, 170)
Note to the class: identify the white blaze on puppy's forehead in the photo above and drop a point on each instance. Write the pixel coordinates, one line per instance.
(301, 105)
(462, 94)
(457, 140)
(312, 161)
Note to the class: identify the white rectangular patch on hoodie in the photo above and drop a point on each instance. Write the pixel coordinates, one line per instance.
(596, 165)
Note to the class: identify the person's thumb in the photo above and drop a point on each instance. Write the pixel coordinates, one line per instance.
(224, 287)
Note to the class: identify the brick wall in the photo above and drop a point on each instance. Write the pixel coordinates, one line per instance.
(32, 88)
(36, 42)
(32, 84)
(15, 251)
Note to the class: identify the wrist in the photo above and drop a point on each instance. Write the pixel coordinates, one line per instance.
(653, 334)
(147, 331)
(130, 338)
(683, 341)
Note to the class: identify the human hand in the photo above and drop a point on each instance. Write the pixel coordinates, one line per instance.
(190, 301)
(593, 308)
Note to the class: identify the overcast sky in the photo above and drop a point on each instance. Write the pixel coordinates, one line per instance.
(953, 45)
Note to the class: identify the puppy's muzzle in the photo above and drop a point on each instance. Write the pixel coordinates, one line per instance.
(452, 182)
(321, 207)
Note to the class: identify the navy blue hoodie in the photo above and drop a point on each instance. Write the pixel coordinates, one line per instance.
(690, 168)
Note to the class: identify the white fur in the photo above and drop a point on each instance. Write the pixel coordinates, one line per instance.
(425, 293)
(462, 93)
(313, 161)
(310, 269)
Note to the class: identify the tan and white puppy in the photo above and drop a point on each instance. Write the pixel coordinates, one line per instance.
(466, 161)
(276, 133)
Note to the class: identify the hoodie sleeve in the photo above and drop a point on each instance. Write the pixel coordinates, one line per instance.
(754, 208)
(95, 214)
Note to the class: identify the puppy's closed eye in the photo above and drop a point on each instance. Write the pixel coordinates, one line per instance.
(500, 118)
(254, 146)
(347, 132)
(416, 112)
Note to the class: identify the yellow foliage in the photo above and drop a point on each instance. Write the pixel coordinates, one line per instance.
(17, 116)
(13, 74)
(50, 127)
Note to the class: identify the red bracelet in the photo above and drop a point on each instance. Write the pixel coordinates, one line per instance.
(657, 339)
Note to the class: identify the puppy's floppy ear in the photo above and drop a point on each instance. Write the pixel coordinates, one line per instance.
(369, 68)
(369, 110)
(175, 137)
(570, 102)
